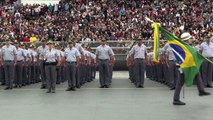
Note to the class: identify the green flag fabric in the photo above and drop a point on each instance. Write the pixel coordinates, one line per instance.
(188, 58)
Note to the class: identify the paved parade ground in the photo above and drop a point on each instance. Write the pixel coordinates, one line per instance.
(122, 101)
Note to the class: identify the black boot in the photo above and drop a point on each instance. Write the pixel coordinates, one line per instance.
(178, 102)
(204, 93)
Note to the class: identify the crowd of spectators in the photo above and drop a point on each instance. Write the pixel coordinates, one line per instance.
(90, 20)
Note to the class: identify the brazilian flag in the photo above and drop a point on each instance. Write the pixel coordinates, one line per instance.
(188, 58)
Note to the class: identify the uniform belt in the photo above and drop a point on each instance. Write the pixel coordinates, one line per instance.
(103, 59)
(139, 58)
(50, 63)
(8, 60)
(71, 62)
(20, 61)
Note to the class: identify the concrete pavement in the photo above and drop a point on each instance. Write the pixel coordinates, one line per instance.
(120, 102)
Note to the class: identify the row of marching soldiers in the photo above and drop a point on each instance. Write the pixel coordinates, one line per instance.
(48, 63)
(139, 62)
(166, 71)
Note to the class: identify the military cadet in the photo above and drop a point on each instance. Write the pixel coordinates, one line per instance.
(111, 67)
(130, 66)
(34, 65)
(172, 69)
(71, 56)
(165, 65)
(21, 58)
(153, 75)
(84, 60)
(41, 50)
(30, 64)
(104, 59)
(139, 53)
(2, 79)
(149, 64)
(153, 66)
(79, 70)
(59, 67)
(51, 60)
(160, 73)
(88, 64)
(26, 67)
(180, 83)
(93, 65)
(24, 76)
(9, 59)
(206, 48)
(62, 64)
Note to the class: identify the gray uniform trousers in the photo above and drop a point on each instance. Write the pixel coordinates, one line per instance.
(63, 73)
(180, 84)
(59, 74)
(34, 73)
(148, 71)
(160, 72)
(9, 70)
(87, 73)
(42, 72)
(84, 73)
(206, 71)
(2, 78)
(165, 74)
(29, 73)
(104, 72)
(111, 73)
(71, 74)
(93, 71)
(139, 69)
(131, 72)
(154, 72)
(19, 73)
(80, 74)
(78, 77)
(24, 75)
(172, 73)
(51, 74)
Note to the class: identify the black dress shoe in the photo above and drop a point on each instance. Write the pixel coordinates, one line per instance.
(173, 88)
(204, 93)
(178, 103)
(209, 86)
(106, 86)
(139, 86)
(73, 89)
(2, 83)
(102, 86)
(68, 89)
(43, 87)
(53, 91)
(7, 88)
(48, 91)
(78, 87)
